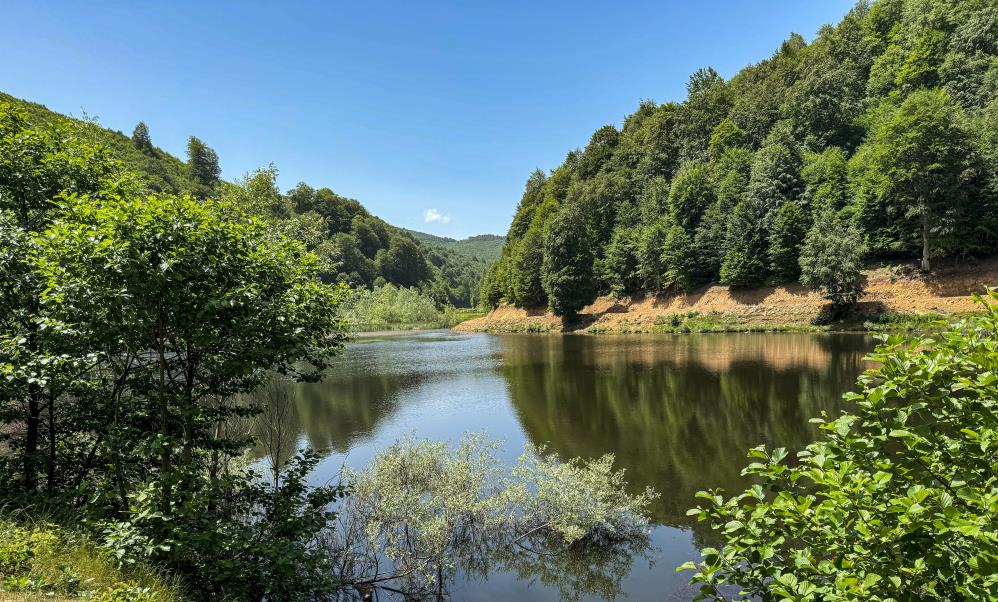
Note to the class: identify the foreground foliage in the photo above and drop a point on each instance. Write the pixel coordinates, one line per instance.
(129, 326)
(898, 501)
(45, 559)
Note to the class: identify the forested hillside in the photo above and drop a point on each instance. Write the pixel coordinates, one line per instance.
(487, 247)
(355, 246)
(879, 139)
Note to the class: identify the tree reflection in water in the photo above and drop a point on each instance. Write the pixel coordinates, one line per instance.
(678, 412)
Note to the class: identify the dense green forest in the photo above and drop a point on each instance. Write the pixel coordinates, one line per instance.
(877, 140)
(140, 336)
(355, 246)
(487, 247)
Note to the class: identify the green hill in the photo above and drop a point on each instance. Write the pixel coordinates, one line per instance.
(487, 247)
(876, 140)
(158, 170)
(358, 247)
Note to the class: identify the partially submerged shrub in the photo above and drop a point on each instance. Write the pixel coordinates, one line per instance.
(898, 501)
(420, 511)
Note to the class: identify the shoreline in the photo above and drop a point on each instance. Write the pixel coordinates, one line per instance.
(894, 299)
(917, 323)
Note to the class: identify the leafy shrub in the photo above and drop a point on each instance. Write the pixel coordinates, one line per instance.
(390, 307)
(42, 558)
(895, 321)
(831, 260)
(240, 538)
(426, 510)
(898, 501)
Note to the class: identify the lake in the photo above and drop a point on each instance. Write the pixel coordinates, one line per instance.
(678, 411)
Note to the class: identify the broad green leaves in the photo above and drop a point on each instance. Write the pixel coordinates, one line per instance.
(897, 501)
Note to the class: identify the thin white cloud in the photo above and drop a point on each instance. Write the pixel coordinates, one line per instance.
(432, 215)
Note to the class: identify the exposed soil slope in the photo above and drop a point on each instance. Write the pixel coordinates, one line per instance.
(887, 289)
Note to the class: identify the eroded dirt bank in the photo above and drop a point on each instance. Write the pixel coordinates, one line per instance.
(887, 289)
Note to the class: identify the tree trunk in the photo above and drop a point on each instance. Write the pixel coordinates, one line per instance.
(31, 436)
(164, 423)
(52, 443)
(34, 418)
(925, 240)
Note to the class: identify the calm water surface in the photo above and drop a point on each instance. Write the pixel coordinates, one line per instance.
(679, 412)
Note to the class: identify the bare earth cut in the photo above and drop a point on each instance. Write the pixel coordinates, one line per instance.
(886, 289)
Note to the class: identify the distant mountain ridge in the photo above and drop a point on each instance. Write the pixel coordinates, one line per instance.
(487, 247)
(359, 248)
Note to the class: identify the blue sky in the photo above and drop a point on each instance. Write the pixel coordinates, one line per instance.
(432, 114)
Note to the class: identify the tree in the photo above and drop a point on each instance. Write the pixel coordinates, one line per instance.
(826, 180)
(183, 304)
(620, 266)
(895, 500)
(744, 262)
(691, 194)
(775, 175)
(709, 240)
(824, 103)
(707, 103)
(37, 166)
(726, 135)
(650, 243)
(489, 293)
(402, 263)
(831, 260)
(527, 285)
(533, 195)
(679, 260)
(598, 152)
(202, 165)
(922, 156)
(567, 271)
(141, 139)
(785, 240)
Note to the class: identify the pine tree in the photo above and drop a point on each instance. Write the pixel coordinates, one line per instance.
(745, 258)
(620, 266)
(202, 164)
(679, 259)
(529, 259)
(775, 175)
(785, 240)
(691, 194)
(568, 263)
(650, 244)
(710, 241)
(831, 260)
(141, 139)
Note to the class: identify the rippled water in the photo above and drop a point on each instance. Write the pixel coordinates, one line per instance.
(679, 412)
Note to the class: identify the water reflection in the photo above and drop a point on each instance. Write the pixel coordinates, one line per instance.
(679, 412)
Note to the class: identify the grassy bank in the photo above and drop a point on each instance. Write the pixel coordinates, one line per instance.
(41, 561)
(715, 322)
(448, 318)
(389, 307)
